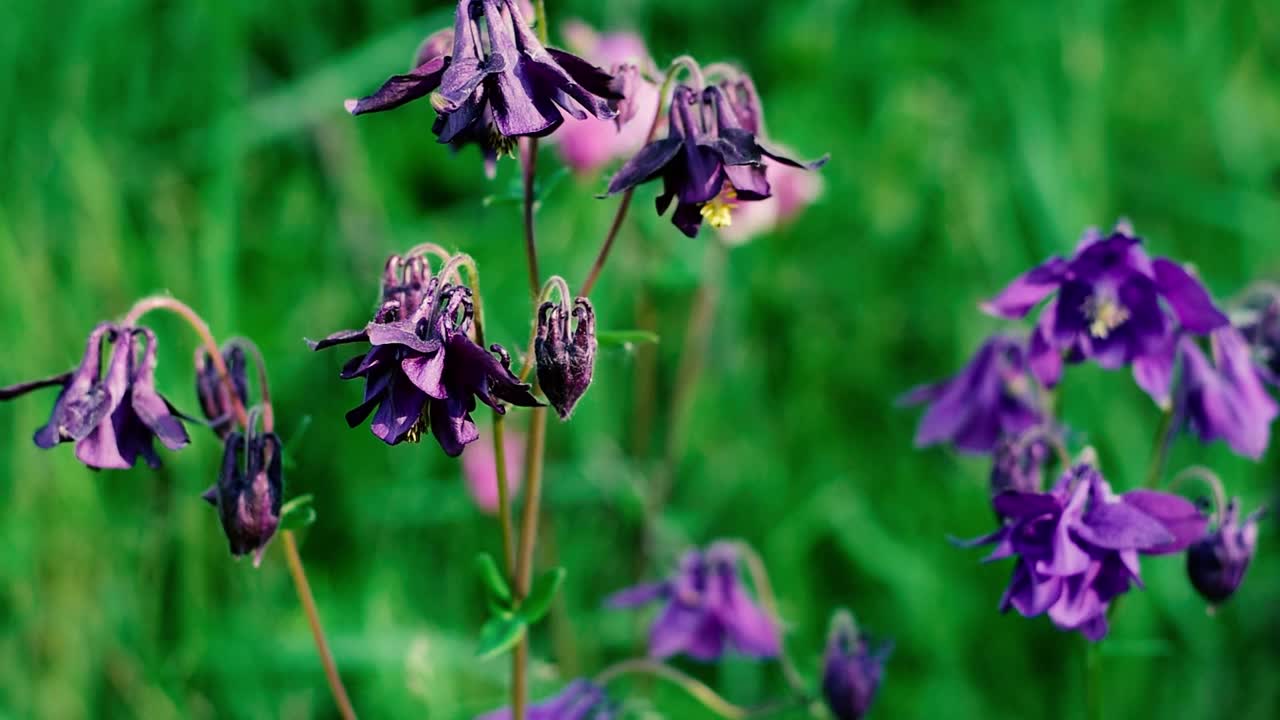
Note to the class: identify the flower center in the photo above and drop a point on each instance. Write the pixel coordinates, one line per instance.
(719, 212)
(1105, 314)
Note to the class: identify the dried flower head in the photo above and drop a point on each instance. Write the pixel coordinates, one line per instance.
(566, 356)
(215, 401)
(249, 492)
(852, 670)
(1217, 563)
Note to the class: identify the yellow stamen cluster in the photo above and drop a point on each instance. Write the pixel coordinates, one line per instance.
(1106, 313)
(719, 212)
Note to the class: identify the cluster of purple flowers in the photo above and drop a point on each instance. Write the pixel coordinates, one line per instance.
(1110, 303)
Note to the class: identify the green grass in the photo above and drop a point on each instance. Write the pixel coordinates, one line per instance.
(202, 149)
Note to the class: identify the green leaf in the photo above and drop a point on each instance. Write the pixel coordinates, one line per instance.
(298, 513)
(493, 579)
(500, 634)
(544, 590)
(625, 338)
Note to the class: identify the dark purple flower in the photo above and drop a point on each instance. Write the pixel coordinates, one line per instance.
(423, 369)
(852, 671)
(1107, 308)
(249, 492)
(579, 700)
(491, 89)
(1226, 400)
(707, 162)
(1018, 463)
(707, 609)
(566, 360)
(1260, 323)
(1077, 545)
(111, 416)
(992, 397)
(215, 402)
(1216, 564)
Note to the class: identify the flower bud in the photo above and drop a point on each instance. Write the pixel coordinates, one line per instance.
(1217, 563)
(1018, 465)
(851, 672)
(565, 363)
(215, 401)
(249, 492)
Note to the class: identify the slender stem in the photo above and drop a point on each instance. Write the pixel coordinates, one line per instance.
(429, 248)
(264, 388)
(197, 323)
(1210, 479)
(764, 588)
(529, 169)
(1160, 449)
(317, 632)
(540, 11)
(504, 494)
(533, 498)
(1093, 681)
(695, 688)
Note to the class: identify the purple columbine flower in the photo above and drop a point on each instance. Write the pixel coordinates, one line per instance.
(215, 402)
(852, 670)
(1216, 564)
(707, 162)
(112, 416)
(707, 609)
(566, 357)
(249, 492)
(579, 700)
(1077, 546)
(1106, 307)
(491, 89)
(1226, 399)
(992, 397)
(423, 369)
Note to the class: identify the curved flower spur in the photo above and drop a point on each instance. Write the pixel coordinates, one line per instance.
(423, 370)
(490, 93)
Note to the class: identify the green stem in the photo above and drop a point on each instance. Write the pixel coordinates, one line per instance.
(1160, 449)
(317, 631)
(1093, 681)
(696, 689)
(764, 588)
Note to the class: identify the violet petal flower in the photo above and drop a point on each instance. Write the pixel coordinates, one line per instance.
(1107, 308)
(991, 397)
(249, 492)
(852, 670)
(1076, 547)
(579, 700)
(1217, 563)
(1226, 400)
(566, 359)
(707, 609)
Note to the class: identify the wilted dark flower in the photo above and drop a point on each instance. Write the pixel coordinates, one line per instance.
(707, 609)
(492, 92)
(1107, 309)
(1216, 564)
(992, 397)
(215, 402)
(579, 700)
(1226, 400)
(565, 361)
(852, 670)
(1018, 463)
(249, 492)
(1077, 545)
(708, 161)
(423, 370)
(112, 417)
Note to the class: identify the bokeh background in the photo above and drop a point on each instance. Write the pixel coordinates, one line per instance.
(202, 149)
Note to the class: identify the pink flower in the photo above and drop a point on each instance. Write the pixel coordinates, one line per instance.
(480, 468)
(588, 145)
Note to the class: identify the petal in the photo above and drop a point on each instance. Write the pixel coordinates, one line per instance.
(1121, 526)
(401, 89)
(673, 630)
(425, 371)
(401, 333)
(637, 596)
(1188, 297)
(749, 181)
(646, 165)
(1154, 372)
(339, 338)
(152, 410)
(399, 411)
(1024, 505)
(1179, 516)
(13, 391)
(451, 425)
(777, 156)
(1027, 290)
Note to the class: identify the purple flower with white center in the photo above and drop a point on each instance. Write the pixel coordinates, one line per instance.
(423, 369)
(579, 700)
(112, 416)
(491, 89)
(249, 492)
(1077, 546)
(852, 670)
(1106, 307)
(707, 161)
(215, 401)
(992, 397)
(1216, 564)
(707, 609)
(1226, 399)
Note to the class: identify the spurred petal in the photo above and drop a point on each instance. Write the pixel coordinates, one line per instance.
(646, 165)
(1188, 298)
(1027, 290)
(401, 89)
(13, 391)
(1179, 516)
(341, 337)
(1121, 526)
(637, 596)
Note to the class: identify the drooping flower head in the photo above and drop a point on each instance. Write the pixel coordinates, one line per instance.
(852, 670)
(992, 397)
(480, 470)
(1217, 563)
(1106, 307)
(1076, 547)
(579, 700)
(497, 83)
(707, 609)
(708, 162)
(566, 357)
(1018, 463)
(422, 369)
(1226, 399)
(1260, 323)
(112, 416)
(249, 492)
(215, 401)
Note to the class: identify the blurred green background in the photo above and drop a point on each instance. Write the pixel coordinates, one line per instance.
(202, 149)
